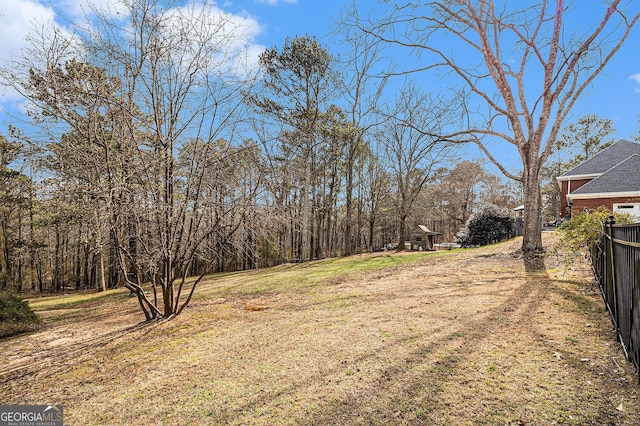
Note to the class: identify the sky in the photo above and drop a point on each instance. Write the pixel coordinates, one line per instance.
(615, 94)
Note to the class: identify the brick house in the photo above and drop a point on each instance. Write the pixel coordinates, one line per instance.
(611, 178)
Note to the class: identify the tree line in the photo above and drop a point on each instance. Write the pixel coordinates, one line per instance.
(155, 154)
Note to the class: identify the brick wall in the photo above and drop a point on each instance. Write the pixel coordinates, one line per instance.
(580, 205)
(575, 184)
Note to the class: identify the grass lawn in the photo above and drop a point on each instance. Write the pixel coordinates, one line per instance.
(465, 337)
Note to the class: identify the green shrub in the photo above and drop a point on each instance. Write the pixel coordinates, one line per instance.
(16, 316)
(584, 230)
(488, 225)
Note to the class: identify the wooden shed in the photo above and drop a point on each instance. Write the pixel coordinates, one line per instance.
(422, 238)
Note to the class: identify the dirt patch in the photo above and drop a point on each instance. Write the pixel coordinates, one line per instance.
(466, 337)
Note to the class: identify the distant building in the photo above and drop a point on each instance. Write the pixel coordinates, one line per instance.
(611, 178)
(422, 238)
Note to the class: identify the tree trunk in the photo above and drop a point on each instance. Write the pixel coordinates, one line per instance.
(167, 294)
(532, 240)
(402, 231)
(360, 224)
(55, 280)
(86, 267)
(103, 283)
(372, 223)
(39, 274)
(18, 282)
(32, 249)
(348, 210)
(78, 262)
(112, 266)
(304, 205)
(5, 265)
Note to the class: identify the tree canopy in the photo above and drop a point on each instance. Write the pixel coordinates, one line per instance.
(521, 69)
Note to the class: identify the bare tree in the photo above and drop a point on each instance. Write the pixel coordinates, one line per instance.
(411, 150)
(521, 69)
(375, 196)
(179, 93)
(149, 111)
(454, 195)
(362, 90)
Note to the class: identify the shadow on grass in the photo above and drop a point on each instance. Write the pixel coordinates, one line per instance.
(405, 396)
(415, 389)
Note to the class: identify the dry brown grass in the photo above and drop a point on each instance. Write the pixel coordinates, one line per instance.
(464, 337)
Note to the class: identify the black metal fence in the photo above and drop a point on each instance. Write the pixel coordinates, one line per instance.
(616, 264)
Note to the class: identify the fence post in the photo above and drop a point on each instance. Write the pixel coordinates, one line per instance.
(635, 319)
(621, 289)
(611, 276)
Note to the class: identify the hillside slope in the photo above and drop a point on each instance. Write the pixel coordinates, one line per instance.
(461, 337)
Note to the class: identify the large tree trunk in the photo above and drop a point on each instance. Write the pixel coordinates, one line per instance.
(402, 237)
(532, 239)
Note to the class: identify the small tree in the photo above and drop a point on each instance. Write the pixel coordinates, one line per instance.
(142, 118)
(583, 231)
(491, 224)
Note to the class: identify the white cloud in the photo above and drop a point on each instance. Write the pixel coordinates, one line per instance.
(275, 2)
(236, 50)
(636, 78)
(73, 8)
(231, 35)
(17, 19)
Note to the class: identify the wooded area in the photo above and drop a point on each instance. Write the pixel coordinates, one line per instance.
(153, 153)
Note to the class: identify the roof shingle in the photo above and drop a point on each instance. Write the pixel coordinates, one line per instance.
(606, 159)
(624, 177)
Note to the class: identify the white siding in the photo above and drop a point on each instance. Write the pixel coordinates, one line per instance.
(632, 209)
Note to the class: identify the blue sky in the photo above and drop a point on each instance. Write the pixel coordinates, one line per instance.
(268, 23)
(615, 94)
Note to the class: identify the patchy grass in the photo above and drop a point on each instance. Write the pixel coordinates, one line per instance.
(308, 275)
(459, 337)
(73, 299)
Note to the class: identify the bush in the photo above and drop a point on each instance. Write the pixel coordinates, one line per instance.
(584, 230)
(488, 225)
(16, 316)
